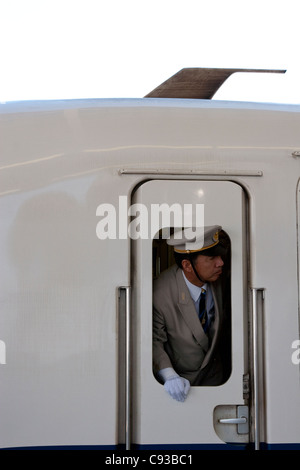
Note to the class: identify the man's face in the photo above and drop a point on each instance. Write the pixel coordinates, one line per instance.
(209, 268)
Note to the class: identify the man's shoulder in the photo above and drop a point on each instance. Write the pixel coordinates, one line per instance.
(167, 280)
(165, 288)
(167, 275)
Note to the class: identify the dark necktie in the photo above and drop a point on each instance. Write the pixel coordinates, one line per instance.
(202, 311)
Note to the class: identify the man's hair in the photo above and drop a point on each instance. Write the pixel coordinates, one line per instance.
(218, 250)
(179, 257)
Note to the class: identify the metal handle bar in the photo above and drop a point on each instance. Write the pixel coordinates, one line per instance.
(126, 289)
(255, 345)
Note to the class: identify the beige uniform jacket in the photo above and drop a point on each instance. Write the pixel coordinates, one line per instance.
(178, 337)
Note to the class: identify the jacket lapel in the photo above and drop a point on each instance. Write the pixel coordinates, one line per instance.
(187, 309)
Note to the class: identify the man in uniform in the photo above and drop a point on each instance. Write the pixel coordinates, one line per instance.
(188, 313)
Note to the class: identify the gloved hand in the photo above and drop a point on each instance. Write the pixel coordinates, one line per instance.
(178, 387)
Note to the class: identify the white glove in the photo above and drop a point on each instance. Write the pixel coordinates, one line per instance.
(176, 386)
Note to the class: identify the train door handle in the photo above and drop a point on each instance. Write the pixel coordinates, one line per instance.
(233, 420)
(241, 420)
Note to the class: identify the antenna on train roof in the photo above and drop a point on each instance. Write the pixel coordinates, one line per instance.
(198, 83)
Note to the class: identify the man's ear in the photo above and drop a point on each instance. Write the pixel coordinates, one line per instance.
(186, 265)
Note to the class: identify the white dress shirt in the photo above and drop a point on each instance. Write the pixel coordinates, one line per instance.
(195, 293)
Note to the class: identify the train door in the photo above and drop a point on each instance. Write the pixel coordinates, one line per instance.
(211, 415)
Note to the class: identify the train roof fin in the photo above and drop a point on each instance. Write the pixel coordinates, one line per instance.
(198, 83)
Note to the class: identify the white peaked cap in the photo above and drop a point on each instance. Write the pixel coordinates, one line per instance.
(190, 240)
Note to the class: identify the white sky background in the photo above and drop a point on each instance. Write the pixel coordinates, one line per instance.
(65, 49)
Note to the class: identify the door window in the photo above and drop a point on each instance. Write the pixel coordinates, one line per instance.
(164, 259)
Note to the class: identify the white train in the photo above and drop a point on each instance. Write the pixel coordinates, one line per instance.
(77, 270)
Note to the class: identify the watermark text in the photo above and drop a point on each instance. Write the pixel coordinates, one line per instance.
(139, 221)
